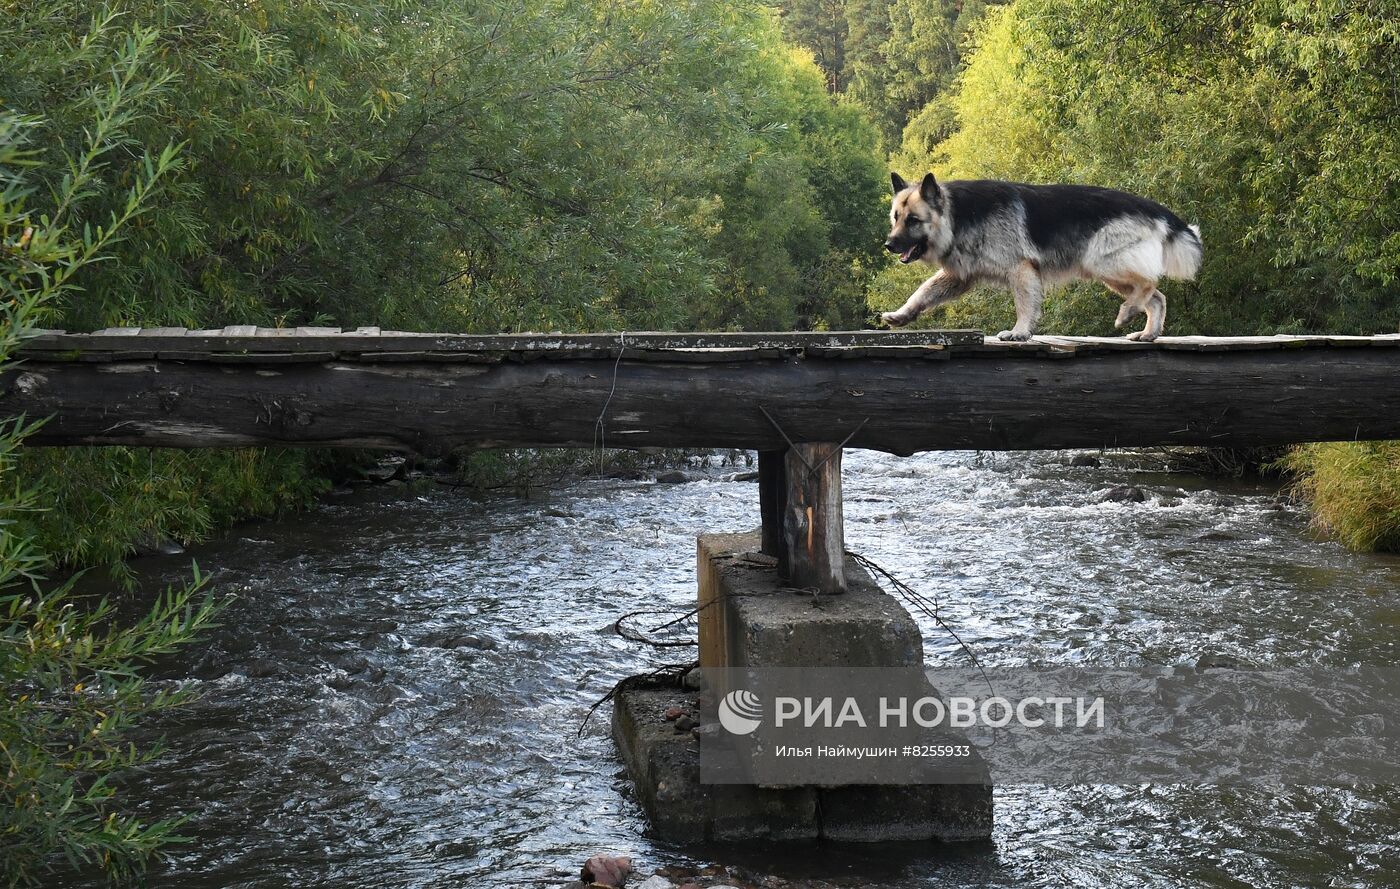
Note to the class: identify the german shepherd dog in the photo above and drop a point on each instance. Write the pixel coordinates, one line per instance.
(1033, 237)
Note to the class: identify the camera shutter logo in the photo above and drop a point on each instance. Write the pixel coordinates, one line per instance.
(740, 712)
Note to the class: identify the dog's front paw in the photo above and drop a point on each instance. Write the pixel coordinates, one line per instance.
(1014, 336)
(1142, 336)
(895, 319)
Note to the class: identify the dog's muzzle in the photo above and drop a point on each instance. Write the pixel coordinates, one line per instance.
(907, 254)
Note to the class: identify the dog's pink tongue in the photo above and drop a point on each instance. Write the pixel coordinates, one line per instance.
(906, 255)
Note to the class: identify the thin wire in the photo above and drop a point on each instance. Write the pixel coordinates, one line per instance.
(923, 604)
(600, 429)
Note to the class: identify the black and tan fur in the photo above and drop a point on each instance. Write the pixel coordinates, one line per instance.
(1029, 238)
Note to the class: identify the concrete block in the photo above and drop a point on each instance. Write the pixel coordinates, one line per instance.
(762, 623)
(758, 622)
(665, 768)
(872, 813)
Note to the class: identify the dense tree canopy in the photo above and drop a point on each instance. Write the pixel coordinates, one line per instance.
(496, 165)
(1273, 124)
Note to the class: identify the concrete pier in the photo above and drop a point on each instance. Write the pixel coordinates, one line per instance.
(756, 620)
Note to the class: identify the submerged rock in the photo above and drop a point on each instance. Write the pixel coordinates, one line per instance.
(674, 477)
(464, 640)
(1086, 460)
(751, 476)
(1123, 494)
(1217, 535)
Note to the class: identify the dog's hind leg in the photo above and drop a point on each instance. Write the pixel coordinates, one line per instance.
(1131, 306)
(934, 292)
(1155, 304)
(1028, 290)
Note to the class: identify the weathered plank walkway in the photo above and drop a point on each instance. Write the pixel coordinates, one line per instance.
(898, 391)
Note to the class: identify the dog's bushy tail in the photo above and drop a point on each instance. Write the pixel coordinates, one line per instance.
(1183, 252)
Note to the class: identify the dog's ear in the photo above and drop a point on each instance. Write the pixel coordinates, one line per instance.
(898, 182)
(928, 190)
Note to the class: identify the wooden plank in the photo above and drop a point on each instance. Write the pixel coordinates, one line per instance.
(703, 356)
(813, 533)
(1229, 344)
(713, 630)
(922, 353)
(366, 331)
(427, 357)
(1390, 340)
(682, 348)
(262, 358)
(286, 339)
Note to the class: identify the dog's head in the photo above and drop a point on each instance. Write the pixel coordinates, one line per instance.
(918, 227)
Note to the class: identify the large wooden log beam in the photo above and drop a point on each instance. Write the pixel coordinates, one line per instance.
(988, 401)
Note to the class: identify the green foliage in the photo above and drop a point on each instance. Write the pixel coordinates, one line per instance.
(1267, 122)
(1354, 489)
(822, 27)
(105, 502)
(70, 681)
(72, 691)
(892, 57)
(502, 165)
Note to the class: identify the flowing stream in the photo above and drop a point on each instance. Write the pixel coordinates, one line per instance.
(393, 698)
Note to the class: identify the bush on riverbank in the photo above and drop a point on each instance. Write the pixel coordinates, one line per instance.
(1354, 489)
(70, 680)
(103, 504)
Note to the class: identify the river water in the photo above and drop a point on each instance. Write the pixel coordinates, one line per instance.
(392, 700)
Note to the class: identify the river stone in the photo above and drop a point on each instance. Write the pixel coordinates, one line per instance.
(353, 663)
(695, 679)
(656, 882)
(607, 870)
(1086, 461)
(674, 477)
(465, 640)
(1123, 494)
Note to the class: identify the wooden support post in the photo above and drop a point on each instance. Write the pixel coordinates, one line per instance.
(772, 504)
(813, 532)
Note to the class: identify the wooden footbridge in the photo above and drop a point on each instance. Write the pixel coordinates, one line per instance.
(797, 398)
